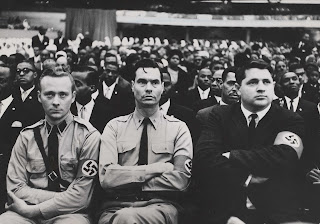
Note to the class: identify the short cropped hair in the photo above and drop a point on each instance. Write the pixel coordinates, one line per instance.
(174, 52)
(226, 71)
(260, 64)
(92, 75)
(51, 73)
(295, 66)
(146, 63)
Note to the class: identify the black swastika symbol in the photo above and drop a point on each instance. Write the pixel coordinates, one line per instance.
(90, 168)
(292, 140)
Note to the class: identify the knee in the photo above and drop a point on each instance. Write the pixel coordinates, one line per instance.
(125, 216)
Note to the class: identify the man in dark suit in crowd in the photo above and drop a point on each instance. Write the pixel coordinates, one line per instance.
(202, 92)
(114, 92)
(303, 48)
(229, 95)
(290, 85)
(40, 40)
(168, 107)
(247, 155)
(25, 94)
(61, 42)
(9, 127)
(86, 80)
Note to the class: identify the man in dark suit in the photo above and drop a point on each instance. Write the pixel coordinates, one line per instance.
(203, 91)
(61, 42)
(229, 95)
(25, 94)
(290, 85)
(86, 80)
(40, 40)
(114, 92)
(303, 48)
(247, 154)
(168, 107)
(9, 127)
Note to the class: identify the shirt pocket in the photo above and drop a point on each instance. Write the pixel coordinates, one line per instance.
(68, 167)
(161, 152)
(37, 170)
(127, 153)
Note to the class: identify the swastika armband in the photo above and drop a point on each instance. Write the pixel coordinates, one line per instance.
(183, 164)
(87, 168)
(290, 139)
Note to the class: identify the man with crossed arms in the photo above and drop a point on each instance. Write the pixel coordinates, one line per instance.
(52, 167)
(247, 156)
(145, 157)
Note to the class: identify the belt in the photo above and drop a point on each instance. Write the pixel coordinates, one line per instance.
(145, 196)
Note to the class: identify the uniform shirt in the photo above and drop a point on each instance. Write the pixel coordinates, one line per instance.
(78, 142)
(169, 141)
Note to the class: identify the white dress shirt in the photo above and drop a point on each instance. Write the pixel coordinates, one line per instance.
(165, 107)
(204, 94)
(294, 103)
(25, 93)
(85, 111)
(4, 104)
(108, 90)
(41, 37)
(174, 76)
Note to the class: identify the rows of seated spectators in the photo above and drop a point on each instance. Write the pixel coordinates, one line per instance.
(196, 77)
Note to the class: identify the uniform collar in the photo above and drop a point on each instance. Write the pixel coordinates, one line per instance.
(138, 118)
(62, 125)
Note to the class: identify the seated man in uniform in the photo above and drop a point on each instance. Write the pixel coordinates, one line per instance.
(247, 156)
(52, 167)
(145, 157)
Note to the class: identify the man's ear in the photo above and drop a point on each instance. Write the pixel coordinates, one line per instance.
(39, 99)
(73, 96)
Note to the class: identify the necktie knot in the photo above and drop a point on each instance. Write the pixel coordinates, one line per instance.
(146, 121)
(54, 129)
(252, 123)
(253, 116)
(291, 105)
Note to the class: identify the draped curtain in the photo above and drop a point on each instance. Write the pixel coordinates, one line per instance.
(100, 23)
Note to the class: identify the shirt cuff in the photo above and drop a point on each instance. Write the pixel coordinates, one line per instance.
(48, 209)
(248, 181)
(226, 154)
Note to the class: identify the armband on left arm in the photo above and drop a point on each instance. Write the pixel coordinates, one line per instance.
(87, 168)
(290, 139)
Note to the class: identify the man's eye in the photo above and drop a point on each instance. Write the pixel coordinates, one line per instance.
(266, 81)
(142, 82)
(155, 82)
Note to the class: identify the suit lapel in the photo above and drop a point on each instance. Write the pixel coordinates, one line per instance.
(238, 117)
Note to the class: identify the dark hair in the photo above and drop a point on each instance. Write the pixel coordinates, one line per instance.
(260, 64)
(294, 67)
(30, 63)
(226, 71)
(109, 55)
(92, 77)
(146, 63)
(51, 73)
(174, 52)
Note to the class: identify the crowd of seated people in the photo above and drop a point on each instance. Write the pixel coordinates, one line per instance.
(246, 115)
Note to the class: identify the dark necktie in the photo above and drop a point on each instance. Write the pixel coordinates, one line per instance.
(252, 128)
(53, 146)
(143, 153)
(291, 105)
